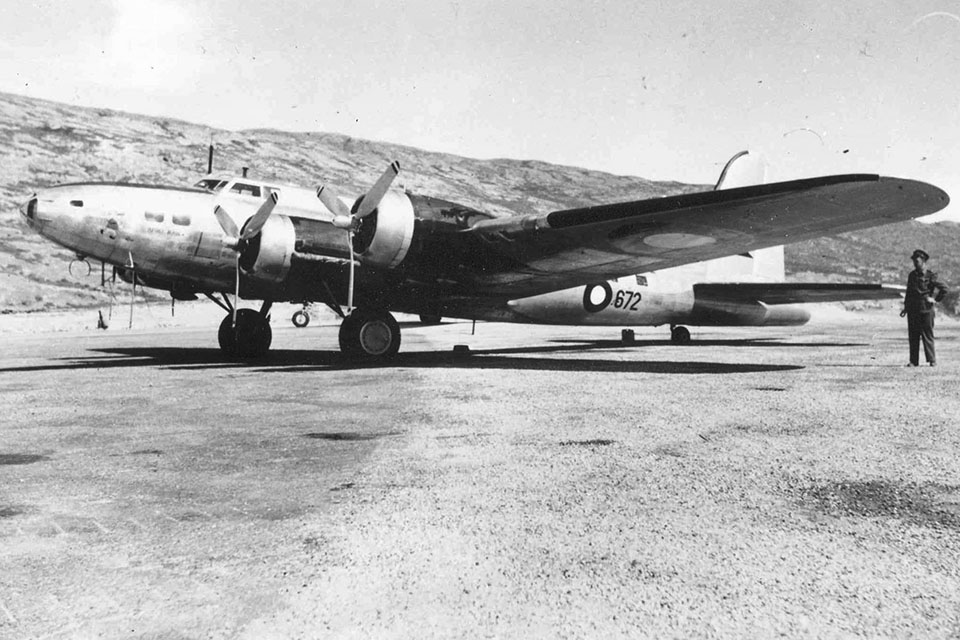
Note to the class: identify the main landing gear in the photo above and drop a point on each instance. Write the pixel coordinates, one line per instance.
(364, 334)
(247, 337)
(369, 333)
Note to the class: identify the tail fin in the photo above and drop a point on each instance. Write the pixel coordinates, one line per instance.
(743, 170)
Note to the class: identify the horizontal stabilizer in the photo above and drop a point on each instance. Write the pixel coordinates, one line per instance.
(773, 293)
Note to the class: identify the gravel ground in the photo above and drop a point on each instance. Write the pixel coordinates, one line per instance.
(761, 482)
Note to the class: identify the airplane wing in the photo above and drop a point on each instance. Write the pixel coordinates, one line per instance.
(541, 253)
(774, 293)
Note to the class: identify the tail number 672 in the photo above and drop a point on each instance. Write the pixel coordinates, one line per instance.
(626, 300)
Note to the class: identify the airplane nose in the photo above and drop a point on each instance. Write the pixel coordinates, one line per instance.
(29, 208)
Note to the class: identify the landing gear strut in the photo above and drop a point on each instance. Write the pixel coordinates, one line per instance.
(679, 335)
(368, 333)
(250, 338)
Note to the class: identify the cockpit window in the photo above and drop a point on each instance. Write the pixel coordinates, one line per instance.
(76, 203)
(211, 184)
(246, 189)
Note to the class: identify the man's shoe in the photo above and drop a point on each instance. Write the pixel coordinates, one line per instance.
(933, 364)
(912, 364)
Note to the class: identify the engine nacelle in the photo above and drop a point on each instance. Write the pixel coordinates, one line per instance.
(384, 237)
(265, 260)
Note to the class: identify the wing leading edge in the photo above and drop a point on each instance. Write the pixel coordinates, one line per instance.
(568, 248)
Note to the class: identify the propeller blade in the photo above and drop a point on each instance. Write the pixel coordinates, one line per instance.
(255, 224)
(332, 202)
(377, 191)
(226, 222)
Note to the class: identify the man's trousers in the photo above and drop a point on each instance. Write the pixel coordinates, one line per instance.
(920, 328)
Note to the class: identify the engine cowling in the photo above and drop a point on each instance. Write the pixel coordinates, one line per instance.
(265, 260)
(384, 237)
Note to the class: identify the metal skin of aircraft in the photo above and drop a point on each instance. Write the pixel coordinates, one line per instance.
(713, 258)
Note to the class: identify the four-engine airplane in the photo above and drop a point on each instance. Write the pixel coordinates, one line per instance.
(705, 259)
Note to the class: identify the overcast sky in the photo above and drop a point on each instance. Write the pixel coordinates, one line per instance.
(663, 90)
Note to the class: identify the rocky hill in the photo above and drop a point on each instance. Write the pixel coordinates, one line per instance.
(45, 143)
(881, 254)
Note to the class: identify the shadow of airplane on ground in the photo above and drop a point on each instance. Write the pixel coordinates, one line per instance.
(517, 358)
(619, 344)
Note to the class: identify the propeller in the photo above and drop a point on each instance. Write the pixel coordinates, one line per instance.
(238, 238)
(348, 220)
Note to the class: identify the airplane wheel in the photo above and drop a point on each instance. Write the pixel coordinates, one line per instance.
(251, 337)
(370, 334)
(301, 319)
(680, 335)
(427, 319)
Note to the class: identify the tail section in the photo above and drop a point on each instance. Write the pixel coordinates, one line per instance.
(743, 170)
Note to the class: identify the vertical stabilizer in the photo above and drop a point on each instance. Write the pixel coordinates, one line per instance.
(743, 170)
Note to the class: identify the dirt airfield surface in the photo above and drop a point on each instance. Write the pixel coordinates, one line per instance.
(553, 484)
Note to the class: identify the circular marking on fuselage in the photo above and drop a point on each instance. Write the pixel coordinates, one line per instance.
(677, 240)
(591, 302)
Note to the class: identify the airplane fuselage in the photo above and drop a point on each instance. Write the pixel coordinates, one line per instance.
(173, 240)
(627, 303)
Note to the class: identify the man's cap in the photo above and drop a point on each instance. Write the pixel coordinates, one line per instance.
(920, 253)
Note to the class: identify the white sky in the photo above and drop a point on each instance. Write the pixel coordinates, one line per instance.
(663, 90)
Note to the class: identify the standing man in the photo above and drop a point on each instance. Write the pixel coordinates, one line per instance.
(923, 289)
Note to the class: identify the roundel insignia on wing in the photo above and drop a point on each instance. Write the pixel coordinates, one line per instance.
(596, 297)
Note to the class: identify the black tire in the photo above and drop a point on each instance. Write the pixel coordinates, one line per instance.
(370, 335)
(680, 335)
(227, 337)
(251, 337)
(349, 335)
(300, 319)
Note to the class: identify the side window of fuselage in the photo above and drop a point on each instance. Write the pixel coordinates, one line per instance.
(245, 189)
(211, 184)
